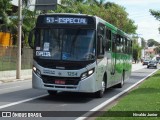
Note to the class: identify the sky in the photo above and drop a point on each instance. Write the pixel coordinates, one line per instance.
(138, 11)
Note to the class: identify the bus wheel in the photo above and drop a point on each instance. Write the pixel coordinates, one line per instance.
(120, 85)
(100, 93)
(52, 92)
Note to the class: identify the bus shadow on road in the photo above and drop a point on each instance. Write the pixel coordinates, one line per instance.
(73, 97)
(137, 77)
(69, 97)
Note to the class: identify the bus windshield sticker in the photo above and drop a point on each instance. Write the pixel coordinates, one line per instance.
(65, 56)
(65, 20)
(38, 48)
(46, 46)
(42, 53)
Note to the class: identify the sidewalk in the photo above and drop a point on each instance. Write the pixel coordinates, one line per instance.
(10, 76)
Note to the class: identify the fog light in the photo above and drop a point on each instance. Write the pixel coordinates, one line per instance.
(84, 75)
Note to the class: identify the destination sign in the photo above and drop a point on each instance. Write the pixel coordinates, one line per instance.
(66, 20)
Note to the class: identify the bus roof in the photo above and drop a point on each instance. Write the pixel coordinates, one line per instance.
(74, 14)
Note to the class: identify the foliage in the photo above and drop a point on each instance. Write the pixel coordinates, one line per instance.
(116, 15)
(156, 14)
(152, 42)
(143, 42)
(7, 24)
(10, 24)
(111, 12)
(136, 50)
(28, 23)
(157, 50)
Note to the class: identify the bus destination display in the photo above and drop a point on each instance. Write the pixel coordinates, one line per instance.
(66, 20)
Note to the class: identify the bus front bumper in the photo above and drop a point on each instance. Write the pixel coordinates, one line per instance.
(87, 85)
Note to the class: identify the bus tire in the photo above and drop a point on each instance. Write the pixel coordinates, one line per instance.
(52, 92)
(100, 93)
(120, 85)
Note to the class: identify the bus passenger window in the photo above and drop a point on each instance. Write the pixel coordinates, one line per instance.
(118, 43)
(126, 47)
(100, 39)
(108, 40)
(100, 48)
(113, 43)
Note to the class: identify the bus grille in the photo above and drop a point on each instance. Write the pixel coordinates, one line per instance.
(68, 80)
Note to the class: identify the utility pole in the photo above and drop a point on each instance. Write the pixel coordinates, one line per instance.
(18, 72)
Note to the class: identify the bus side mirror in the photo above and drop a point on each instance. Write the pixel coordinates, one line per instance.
(31, 38)
(100, 37)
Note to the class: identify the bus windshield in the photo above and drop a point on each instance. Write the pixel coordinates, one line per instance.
(65, 44)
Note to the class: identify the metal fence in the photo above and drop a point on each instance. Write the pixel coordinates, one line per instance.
(8, 58)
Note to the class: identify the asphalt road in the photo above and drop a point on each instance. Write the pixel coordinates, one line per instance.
(19, 97)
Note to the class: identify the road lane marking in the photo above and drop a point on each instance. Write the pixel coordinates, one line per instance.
(11, 87)
(22, 101)
(111, 99)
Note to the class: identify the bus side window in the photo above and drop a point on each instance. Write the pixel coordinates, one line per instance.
(108, 40)
(118, 43)
(126, 45)
(113, 42)
(100, 39)
(131, 47)
(123, 45)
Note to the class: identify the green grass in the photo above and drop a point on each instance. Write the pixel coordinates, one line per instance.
(145, 98)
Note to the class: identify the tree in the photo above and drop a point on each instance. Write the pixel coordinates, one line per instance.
(5, 7)
(152, 42)
(99, 2)
(29, 18)
(136, 50)
(143, 42)
(111, 12)
(116, 15)
(157, 50)
(8, 25)
(156, 14)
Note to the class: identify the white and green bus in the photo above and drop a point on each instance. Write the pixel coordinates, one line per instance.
(79, 53)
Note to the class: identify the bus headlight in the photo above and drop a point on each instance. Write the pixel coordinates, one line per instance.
(34, 69)
(87, 74)
(38, 72)
(90, 72)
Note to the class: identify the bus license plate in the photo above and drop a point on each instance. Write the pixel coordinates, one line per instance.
(62, 82)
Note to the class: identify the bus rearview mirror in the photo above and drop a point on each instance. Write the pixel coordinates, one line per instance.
(100, 56)
(31, 38)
